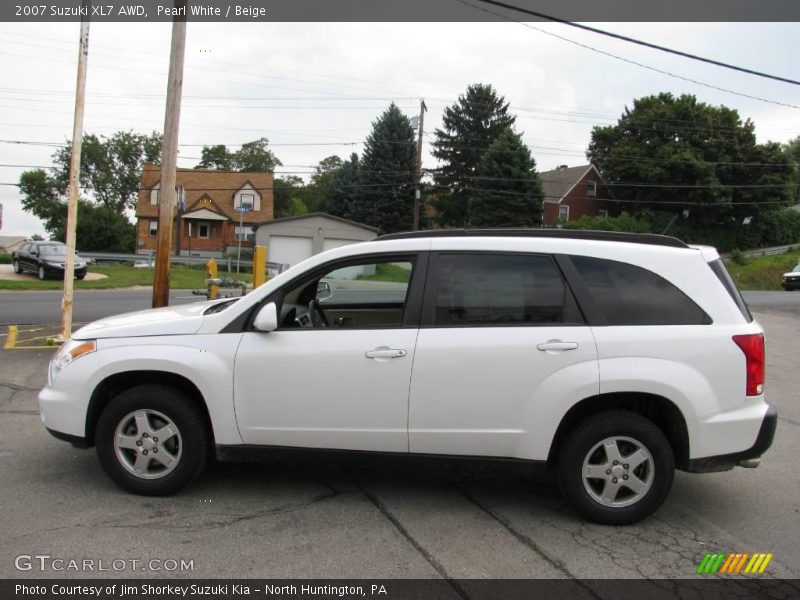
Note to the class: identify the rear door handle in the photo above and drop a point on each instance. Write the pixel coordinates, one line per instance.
(557, 346)
(385, 352)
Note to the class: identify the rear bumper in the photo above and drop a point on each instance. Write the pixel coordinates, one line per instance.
(725, 462)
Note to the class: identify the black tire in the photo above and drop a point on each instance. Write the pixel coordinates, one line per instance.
(624, 427)
(42, 274)
(191, 446)
(17, 268)
(81, 276)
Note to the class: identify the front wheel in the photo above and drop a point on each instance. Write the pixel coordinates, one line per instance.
(17, 268)
(152, 440)
(616, 467)
(42, 273)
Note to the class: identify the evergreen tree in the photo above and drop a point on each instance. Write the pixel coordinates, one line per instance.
(470, 126)
(343, 189)
(385, 197)
(508, 191)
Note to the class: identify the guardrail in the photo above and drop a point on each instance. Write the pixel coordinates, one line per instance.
(182, 260)
(771, 251)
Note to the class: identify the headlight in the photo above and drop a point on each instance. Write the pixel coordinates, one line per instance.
(71, 351)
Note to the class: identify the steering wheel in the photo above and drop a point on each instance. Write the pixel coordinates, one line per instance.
(318, 318)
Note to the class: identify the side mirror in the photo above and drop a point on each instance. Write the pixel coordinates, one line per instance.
(324, 290)
(267, 318)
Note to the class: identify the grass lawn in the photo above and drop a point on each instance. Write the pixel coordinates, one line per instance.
(388, 272)
(124, 276)
(763, 272)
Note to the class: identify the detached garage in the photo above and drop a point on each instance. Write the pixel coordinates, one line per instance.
(294, 239)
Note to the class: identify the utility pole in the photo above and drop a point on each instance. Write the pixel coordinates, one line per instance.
(74, 174)
(418, 189)
(169, 160)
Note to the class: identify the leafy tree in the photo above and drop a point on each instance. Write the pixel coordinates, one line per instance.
(681, 153)
(110, 166)
(323, 177)
(385, 196)
(297, 208)
(284, 189)
(252, 156)
(37, 238)
(99, 227)
(217, 158)
(256, 156)
(470, 126)
(792, 151)
(508, 191)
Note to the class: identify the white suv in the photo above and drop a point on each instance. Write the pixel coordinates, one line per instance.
(611, 358)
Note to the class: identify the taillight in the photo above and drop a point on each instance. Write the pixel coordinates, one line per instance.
(753, 347)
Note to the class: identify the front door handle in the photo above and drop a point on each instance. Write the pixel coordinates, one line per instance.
(385, 352)
(557, 346)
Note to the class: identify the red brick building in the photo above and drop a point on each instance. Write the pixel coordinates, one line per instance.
(207, 219)
(570, 193)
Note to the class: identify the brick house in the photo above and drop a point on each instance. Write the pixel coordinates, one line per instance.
(572, 192)
(207, 219)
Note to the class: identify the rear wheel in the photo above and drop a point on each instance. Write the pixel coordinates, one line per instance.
(17, 268)
(152, 440)
(42, 273)
(616, 467)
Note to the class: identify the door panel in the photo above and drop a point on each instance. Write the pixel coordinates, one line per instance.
(317, 388)
(489, 391)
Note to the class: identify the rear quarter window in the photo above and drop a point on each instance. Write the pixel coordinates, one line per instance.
(630, 295)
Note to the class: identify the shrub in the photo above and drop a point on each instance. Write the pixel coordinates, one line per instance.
(738, 257)
(5, 258)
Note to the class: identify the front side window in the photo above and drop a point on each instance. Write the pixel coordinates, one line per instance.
(500, 290)
(630, 295)
(361, 295)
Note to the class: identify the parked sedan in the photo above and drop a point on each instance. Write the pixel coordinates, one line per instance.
(791, 280)
(45, 259)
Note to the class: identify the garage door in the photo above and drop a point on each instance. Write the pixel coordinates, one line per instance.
(289, 249)
(331, 243)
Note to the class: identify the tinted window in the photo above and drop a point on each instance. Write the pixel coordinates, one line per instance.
(629, 295)
(499, 290)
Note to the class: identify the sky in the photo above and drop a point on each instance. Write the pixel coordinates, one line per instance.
(314, 89)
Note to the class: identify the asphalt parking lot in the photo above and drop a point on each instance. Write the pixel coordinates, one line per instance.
(381, 519)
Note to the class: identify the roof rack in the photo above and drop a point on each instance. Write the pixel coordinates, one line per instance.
(572, 234)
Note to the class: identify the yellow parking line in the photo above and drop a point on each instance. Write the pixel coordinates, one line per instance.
(11, 340)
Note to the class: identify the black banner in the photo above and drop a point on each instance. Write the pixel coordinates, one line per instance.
(405, 11)
(400, 589)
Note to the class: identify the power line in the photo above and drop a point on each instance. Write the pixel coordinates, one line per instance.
(625, 38)
(628, 60)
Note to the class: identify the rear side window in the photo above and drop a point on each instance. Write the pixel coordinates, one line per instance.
(500, 290)
(630, 295)
(725, 279)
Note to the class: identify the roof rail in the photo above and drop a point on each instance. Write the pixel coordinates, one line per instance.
(572, 234)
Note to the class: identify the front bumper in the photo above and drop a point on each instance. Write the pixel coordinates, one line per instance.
(725, 462)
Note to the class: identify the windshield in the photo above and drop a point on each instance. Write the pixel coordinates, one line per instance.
(52, 249)
(796, 268)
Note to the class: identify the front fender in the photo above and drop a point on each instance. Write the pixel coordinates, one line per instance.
(205, 360)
